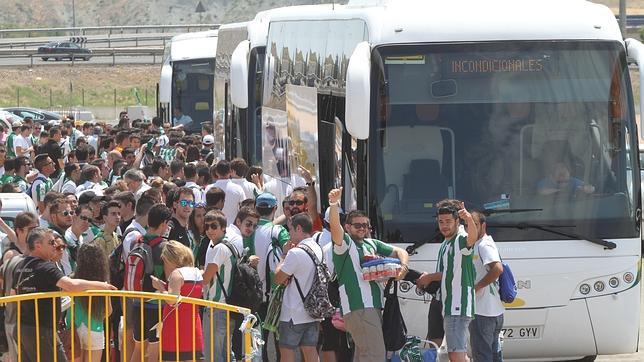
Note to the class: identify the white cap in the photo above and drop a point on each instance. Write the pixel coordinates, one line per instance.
(208, 140)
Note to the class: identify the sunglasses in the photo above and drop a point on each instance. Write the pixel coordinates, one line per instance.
(68, 213)
(361, 225)
(185, 203)
(52, 242)
(212, 225)
(85, 218)
(296, 202)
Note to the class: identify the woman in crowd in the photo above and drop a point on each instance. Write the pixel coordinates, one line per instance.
(185, 280)
(91, 264)
(197, 234)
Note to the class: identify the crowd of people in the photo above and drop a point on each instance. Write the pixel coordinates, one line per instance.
(108, 196)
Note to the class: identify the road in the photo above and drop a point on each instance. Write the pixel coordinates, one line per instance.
(633, 357)
(23, 62)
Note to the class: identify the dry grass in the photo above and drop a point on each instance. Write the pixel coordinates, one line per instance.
(46, 86)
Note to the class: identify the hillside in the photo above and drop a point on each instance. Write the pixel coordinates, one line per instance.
(58, 13)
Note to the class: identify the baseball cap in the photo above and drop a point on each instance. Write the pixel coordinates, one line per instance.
(265, 199)
(208, 140)
(16, 124)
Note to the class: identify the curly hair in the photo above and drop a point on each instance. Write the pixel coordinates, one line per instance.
(92, 264)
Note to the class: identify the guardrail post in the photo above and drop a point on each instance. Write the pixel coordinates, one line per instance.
(154, 58)
(113, 58)
(73, 58)
(31, 61)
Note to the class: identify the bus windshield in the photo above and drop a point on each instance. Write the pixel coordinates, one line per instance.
(510, 125)
(192, 93)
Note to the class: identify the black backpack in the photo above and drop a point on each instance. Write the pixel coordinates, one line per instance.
(393, 325)
(247, 287)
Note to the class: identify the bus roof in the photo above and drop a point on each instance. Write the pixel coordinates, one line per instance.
(416, 21)
(197, 45)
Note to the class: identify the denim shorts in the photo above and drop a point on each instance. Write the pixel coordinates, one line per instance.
(456, 332)
(293, 336)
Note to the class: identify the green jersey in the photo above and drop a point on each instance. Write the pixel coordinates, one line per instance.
(42, 184)
(6, 179)
(457, 283)
(21, 182)
(10, 151)
(355, 292)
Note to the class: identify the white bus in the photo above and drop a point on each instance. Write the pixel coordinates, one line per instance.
(405, 103)
(187, 78)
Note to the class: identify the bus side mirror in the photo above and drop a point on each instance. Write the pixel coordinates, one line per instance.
(635, 53)
(358, 92)
(239, 75)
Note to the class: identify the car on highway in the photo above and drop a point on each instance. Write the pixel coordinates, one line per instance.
(59, 50)
(38, 115)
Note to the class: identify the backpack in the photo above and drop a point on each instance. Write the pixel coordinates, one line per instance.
(117, 262)
(139, 265)
(247, 287)
(394, 329)
(507, 285)
(317, 302)
(30, 188)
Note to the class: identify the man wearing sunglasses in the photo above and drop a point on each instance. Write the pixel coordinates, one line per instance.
(62, 216)
(36, 273)
(76, 234)
(361, 300)
(182, 208)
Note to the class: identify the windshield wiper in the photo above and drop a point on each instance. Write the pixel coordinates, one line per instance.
(488, 212)
(551, 229)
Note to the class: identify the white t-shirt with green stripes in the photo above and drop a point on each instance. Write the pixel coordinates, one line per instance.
(221, 255)
(457, 283)
(355, 292)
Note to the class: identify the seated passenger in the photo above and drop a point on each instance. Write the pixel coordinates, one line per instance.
(560, 180)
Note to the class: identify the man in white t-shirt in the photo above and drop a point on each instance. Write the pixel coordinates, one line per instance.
(234, 193)
(486, 326)
(239, 168)
(22, 144)
(297, 329)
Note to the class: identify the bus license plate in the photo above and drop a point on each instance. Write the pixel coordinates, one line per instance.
(532, 332)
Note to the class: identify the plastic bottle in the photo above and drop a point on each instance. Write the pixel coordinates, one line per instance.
(365, 273)
(373, 272)
(380, 271)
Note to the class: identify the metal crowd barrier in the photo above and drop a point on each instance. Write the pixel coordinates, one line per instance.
(209, 307)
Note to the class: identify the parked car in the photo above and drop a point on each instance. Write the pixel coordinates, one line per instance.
(12, 205)
(38, 115)
(59, 50)
(7, 118)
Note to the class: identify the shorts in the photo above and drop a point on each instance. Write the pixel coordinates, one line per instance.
(293, 336)
(150, 321)
(85, 335)
(456, 332)
(435, 320)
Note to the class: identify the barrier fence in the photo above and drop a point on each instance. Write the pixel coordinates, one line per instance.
(199, 306)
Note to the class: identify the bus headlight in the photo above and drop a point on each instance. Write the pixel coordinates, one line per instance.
(628, 277)
(613, 282)
(599, 286)
(584, 289)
